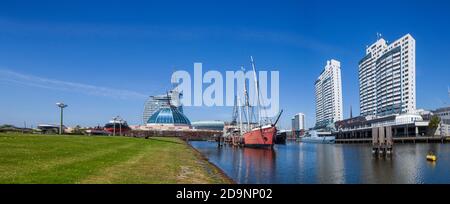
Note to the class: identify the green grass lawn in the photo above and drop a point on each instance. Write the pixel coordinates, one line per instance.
(101, 159)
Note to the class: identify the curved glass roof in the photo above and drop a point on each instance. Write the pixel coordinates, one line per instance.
(169, 115)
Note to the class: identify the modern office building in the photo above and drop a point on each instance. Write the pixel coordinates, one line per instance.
(328, 88)
(404, 125)
(387, 78)
(154, 103)
(443, 114)
(49, 128)
(298, 122)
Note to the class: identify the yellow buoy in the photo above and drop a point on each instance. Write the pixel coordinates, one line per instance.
(431, 157)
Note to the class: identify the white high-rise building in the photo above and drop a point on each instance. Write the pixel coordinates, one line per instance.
(154, 103)
(387, 78)
(328, 88)
(298, 122)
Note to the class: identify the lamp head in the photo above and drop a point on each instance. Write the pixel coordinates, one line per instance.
(61, 105)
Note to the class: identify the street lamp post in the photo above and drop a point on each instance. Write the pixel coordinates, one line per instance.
(115, 120)
(120, 126)
(114, 126)
(61, 106)
(119, 120)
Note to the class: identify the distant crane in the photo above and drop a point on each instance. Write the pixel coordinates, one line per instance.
(235, 112)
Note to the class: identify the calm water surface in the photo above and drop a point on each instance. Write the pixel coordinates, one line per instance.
(330, 163)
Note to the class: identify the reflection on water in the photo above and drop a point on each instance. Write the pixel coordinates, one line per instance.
(328, 163)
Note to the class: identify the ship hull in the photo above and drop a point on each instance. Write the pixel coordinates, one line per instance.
(260, 137)
(280, 138)
(111, 130)
(321, 140)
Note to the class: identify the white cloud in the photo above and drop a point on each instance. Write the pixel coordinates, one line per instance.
(12, 77)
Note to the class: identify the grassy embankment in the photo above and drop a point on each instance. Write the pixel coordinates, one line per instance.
(101, 159)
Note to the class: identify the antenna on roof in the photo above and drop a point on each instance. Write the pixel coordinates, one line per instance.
(378, 36)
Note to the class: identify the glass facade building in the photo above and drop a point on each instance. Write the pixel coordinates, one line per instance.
(154, 103)
(169, 116)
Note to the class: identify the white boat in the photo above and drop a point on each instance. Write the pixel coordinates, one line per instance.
(318, 137)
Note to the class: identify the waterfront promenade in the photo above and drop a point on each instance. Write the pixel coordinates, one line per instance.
(419, 139)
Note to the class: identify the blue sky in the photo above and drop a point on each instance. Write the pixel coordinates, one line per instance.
(103, 57)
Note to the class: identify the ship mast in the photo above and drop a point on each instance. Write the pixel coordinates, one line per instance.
(257, 89)
(247, 104)
(240, 115)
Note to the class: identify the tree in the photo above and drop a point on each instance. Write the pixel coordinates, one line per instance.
(6, 126)
(434, 124)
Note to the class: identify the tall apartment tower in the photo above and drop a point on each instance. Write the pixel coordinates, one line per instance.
(328, 89)
(298, 122)
(387, 78)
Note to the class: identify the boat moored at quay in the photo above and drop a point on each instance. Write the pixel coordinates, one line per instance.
(318, 137)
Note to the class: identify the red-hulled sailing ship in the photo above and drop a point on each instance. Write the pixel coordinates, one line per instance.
(259, 135)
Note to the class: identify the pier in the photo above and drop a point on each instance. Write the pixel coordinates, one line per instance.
(418, 139)
(233, 139)
(382, 141)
